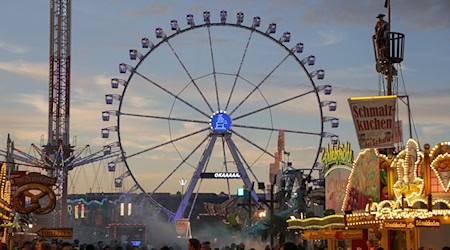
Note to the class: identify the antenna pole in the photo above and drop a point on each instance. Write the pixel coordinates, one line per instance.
(389, 76)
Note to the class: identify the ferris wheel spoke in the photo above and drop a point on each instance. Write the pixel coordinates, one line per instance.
(239, 70)
(276, 129)
(256, 87)
(214, 67)
(196, 176)
(164, 118)
(254, 144)
(190, 76)
(225, 165)
(170, 93)
(246, 164)
(273, 105)
(168, 142)
(238, 160)
(179, 165)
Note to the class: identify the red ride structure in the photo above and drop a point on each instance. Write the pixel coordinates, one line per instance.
(58, 148)
(58, 156)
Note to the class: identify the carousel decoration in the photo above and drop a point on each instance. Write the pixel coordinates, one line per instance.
(37, 189)
(5, 194)
(420, 190)
(408, 163)
(441, 165)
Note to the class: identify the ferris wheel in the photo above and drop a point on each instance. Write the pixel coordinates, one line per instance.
(207, 101)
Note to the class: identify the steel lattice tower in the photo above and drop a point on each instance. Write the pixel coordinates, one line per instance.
(58, 156)
(58, 149)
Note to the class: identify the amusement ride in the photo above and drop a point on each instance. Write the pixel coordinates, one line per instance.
(202, 103)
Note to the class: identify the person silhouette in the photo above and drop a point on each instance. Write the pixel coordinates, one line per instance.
(381, 36)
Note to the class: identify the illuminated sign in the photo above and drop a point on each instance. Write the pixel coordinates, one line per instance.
(339, 153)
(349, 235)
(427, 223)
(220, 122)
(34, 178)
(395, 224)
(321, 234)
(55, 233)
(221, 175)
(374, 120)
(334, 234)
(360, 219)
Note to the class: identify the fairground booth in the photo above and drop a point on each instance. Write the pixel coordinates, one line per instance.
(330, 229)
(5, 210)
(401, 201)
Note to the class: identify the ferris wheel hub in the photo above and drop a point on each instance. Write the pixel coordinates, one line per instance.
(220, 122)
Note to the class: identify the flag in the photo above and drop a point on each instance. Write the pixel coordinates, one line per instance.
(386, 3)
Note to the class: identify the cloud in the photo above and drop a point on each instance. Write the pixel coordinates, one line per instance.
(412, 13)
(27, 121)
(153, 9)
(32, 70)
(101, 80)
(13, 48)
(37, 102)
(330, 37)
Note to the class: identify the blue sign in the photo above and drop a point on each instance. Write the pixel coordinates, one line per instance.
(220, 122)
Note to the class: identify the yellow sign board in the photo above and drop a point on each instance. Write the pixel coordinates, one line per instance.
(55, 233)
(320, 234)
(334, 234)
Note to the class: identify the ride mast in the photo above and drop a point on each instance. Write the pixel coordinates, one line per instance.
(58, 148)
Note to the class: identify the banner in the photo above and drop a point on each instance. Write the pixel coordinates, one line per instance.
(333, 234)
(220, 175)
(374, 120)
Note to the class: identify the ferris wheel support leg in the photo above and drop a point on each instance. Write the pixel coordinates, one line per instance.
(240, 166)
(201, 165)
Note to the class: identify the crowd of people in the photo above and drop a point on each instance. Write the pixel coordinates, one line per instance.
(192, 244)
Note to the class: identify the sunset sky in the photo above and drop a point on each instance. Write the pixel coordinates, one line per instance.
(338, 33)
